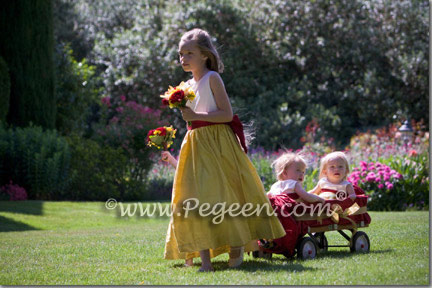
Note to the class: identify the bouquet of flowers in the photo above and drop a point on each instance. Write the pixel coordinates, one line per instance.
(161, 137)
(178, 96)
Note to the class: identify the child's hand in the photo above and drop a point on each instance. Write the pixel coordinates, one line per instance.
(166, 155)
(188, 114)
(352, 196)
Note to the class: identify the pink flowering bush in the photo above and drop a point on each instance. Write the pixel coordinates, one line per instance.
(15, 192)
(126, 126)
(374, 175)
(387, 188)
(408, 185)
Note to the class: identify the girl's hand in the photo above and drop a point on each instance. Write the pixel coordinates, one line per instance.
(165, 155)
(188, 114)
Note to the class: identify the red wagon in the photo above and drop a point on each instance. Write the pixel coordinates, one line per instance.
(305, 226)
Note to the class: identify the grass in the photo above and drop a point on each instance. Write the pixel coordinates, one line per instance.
(82, 243)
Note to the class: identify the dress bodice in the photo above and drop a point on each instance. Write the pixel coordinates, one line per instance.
(204, 100)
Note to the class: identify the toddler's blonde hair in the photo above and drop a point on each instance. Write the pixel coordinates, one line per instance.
(284, 161)
(330, 157)
(206, 47)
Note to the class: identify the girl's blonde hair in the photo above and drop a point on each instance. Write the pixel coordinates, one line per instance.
(330, 157)
(284, 161)
(206, 46)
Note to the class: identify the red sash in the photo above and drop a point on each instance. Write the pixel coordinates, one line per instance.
(235, 124)
(329, 190)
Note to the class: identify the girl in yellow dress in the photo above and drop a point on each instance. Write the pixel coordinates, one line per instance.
(213, 171)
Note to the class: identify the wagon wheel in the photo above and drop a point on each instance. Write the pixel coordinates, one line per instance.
(360, 242)
(322, 242)
(306, 249)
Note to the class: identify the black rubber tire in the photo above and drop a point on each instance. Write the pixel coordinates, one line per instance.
(360, 242)
(307, 249)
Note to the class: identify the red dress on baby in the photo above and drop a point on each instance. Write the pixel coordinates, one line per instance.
(332, 191)
(283, 197)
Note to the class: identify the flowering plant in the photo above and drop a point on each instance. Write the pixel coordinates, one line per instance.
(161, 137)
(124, 125)
(178, 96)
(16, 192)
(378, 181)
(374, 174)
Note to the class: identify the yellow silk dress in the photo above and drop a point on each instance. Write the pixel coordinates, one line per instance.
(212, 168)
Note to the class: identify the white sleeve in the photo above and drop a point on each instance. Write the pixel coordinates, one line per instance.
(288, 184)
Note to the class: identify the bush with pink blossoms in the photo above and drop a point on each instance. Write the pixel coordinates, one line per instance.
(386, 187)
(15, 192)
(125, 125)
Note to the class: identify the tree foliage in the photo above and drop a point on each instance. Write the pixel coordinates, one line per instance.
(26, 44)
(348, 64)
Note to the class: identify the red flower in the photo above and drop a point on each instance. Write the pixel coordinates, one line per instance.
(150, 133)
(412, 153)
(177, 96)
(162, 130)
(165, 101)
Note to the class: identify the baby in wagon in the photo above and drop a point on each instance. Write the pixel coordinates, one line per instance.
(290, 170)
(333, 185)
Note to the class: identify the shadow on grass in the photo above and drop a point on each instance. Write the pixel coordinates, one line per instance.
(8, 225)
(19, 207)
(256, 265)
(22, 207)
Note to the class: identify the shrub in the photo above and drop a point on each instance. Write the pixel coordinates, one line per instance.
(262, 161)
(378, 181)
(414, 185)
(100, 172)
(35, 159)
(127, 126)
(15, 192)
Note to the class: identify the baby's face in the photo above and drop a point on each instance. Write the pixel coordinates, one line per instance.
(295, 171)
(335, 170)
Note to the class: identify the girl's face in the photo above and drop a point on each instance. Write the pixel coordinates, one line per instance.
(295, 171)
(335, 170)
(191, 57)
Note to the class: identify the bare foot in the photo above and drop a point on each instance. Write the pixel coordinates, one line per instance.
(206, 269)
(235, 257)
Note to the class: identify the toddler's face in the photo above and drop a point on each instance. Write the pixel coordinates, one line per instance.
(295, 171)
(191, 57)
(335, 170)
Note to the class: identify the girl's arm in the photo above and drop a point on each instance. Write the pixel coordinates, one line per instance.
(166, 156)
(307, 196)
(350, 190)
(224, 114)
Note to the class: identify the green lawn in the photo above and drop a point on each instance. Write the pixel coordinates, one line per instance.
(83, 243)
